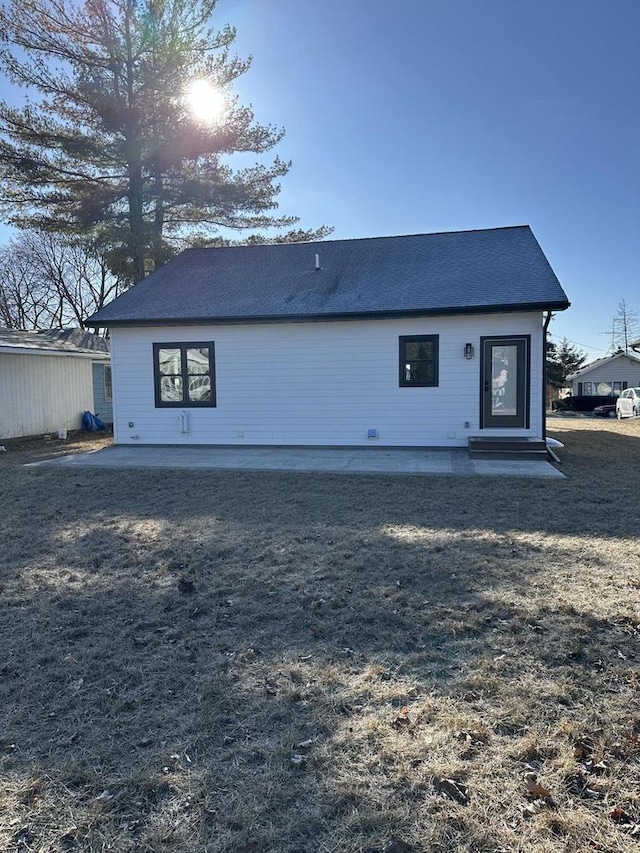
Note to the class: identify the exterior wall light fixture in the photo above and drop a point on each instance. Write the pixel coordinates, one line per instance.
(468, 350)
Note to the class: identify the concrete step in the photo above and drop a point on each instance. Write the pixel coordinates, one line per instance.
(502, 444)
(505, 447)
(522, 455)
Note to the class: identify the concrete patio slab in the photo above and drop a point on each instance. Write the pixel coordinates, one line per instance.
(305, 459)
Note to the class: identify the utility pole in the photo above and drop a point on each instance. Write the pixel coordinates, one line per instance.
(624, 328)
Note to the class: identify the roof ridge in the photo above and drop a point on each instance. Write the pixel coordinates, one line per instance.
(364, 239)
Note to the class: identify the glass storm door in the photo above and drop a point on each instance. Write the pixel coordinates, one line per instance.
(504, 368)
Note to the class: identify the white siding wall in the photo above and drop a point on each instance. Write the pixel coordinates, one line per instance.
(42, 393)
(319, 383)
(621, 370)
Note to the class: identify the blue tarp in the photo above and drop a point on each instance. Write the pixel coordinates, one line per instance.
(91, 422)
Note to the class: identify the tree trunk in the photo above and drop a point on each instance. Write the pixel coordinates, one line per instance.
(158, 223)
(135, 194)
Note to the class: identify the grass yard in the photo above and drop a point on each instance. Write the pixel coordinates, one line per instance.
(298, 663)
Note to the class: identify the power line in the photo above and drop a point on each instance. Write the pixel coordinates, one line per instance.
(577, 343)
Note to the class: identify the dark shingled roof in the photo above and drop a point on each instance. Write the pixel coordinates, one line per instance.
(54, 340)
(502, 269)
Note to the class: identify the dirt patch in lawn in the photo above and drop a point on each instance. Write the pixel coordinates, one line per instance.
(251, 662)
(19, 451)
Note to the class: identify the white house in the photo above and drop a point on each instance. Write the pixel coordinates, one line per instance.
(606, 376)
(47, 379)
(419, 340)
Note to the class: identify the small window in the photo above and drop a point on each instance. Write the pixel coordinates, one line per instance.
(418, 360)
(108, 387)
(588, 389)
(184, 374)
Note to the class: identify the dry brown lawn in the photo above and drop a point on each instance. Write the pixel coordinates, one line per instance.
(299, 663)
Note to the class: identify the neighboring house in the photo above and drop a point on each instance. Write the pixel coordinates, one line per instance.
(49, 378)
(606, 376)
(102, 391)
(405, 341)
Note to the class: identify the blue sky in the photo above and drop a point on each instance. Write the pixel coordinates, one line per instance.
(415, 116)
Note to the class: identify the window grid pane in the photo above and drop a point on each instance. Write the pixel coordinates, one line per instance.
(198, 360)
(419, 371)
(170, 362)
(199, 388)
(171, 389)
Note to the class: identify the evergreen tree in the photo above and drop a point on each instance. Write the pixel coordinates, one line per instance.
(562, 360)
(113, 145)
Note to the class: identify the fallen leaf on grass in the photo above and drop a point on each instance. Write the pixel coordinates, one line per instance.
(535, 789)
(402, 720)
(581, 751)
(623, 819)
(470, 736)
(619, 815)
(453, 789)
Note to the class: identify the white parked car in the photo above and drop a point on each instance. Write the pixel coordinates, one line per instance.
(628, 403)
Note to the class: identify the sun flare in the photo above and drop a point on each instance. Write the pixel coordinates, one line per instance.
(206, 102)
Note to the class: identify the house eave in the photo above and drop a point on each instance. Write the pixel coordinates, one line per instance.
(93, 356)
(95, 322)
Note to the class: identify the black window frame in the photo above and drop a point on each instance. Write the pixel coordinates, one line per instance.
(410, 339)
(183, 346)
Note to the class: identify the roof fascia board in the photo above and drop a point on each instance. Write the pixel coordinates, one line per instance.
(95, 356)
(320, 318)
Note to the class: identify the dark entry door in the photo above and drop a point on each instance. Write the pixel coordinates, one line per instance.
(504, 370)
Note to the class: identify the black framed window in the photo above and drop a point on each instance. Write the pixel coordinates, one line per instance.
(108, 385)
(419, 360)
(184, 374)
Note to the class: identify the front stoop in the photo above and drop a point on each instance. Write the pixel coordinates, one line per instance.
(508, 448)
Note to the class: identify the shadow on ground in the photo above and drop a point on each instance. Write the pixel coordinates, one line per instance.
(246, 662)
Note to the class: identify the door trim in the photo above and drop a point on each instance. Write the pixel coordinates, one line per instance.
(507, 339)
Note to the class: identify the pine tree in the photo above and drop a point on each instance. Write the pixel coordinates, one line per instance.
(112, 146)
(562, 360)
